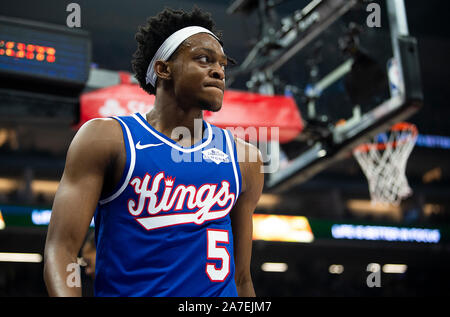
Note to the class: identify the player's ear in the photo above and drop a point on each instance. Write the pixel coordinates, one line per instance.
(162, 70)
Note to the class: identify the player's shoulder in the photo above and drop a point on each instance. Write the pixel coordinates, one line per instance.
(250, 162)
(101, 127)
(100, 135)
(247, 152)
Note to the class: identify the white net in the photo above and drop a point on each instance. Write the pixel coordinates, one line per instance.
(384, 164)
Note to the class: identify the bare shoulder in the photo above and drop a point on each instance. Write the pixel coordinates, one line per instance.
(247, 152)
(95, 143)
(100, 132)
(100, 128)
(250, 163)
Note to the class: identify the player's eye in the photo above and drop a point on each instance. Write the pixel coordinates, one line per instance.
(204, 59)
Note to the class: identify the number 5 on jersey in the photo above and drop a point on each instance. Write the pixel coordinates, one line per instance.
(217, 252)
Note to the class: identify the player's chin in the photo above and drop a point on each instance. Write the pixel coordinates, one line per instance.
(212, 104)
(214, 107)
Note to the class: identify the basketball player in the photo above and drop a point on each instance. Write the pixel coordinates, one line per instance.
(173, 211)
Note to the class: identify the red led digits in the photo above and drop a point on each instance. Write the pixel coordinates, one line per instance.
(28, 51)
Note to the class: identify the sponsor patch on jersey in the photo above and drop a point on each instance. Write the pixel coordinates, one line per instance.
(216, 155)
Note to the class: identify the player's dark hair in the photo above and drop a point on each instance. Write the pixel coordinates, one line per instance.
(156, 30)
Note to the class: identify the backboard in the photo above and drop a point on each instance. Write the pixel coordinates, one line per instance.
(353, 67)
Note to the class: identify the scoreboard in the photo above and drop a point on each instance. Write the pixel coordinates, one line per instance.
(43, 70)
(40, 51)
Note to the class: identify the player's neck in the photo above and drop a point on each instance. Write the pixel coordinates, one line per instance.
(167, 115)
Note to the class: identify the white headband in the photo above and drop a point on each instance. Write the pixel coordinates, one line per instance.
(169, 46)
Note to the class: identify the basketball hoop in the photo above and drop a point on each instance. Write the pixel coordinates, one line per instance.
(384, 163)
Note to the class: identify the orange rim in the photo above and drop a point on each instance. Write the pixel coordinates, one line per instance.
(400, 126)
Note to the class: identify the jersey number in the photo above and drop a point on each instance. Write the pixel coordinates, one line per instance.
(216, 252)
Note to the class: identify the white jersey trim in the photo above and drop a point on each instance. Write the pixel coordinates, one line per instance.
(179, 148)
(236, 176)
(130, 169)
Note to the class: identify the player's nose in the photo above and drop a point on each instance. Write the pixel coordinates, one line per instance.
(217, 72)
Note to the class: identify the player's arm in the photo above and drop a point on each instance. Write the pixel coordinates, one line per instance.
(242, 215)
(75, 201)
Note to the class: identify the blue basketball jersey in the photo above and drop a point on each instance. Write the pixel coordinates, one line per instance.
(166, 229)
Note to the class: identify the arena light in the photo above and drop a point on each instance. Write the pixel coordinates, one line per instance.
(20, 257)
(45, 186)
(7, 184)
(385, 233)
(274, 267)
(268, 201)
(432, 175)
(41, 217)
(336, 269)
(282, 228)
(430, 209)
(433, 141)
(367, 205)
(2, 221)
(395, 268)
(37, 185)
